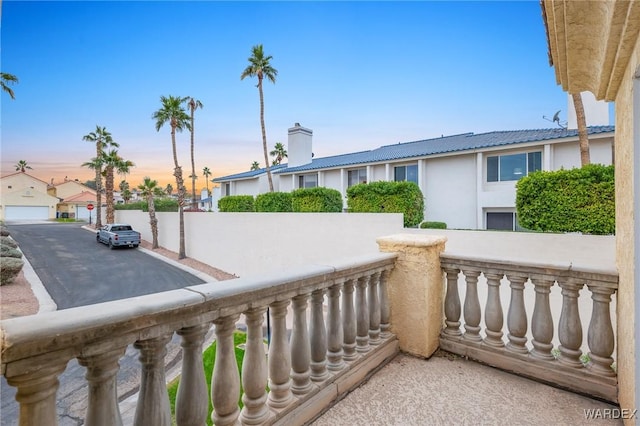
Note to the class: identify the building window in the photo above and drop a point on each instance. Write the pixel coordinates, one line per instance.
(503, 221)
(406, 173)
(227, 188)
(308, 181)
(503, 168)
(357, 176)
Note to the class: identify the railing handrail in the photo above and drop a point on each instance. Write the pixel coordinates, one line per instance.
(130, 319)
(559, 270)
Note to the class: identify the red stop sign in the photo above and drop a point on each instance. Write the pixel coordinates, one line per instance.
(89, 206)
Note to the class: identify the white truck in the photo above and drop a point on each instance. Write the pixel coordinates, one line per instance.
(118, 235)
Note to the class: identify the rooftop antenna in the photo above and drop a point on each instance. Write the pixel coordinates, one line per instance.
(556, 119)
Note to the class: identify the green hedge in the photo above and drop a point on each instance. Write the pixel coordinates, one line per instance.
(274, 202)
(163, 204)
(433, 225)
(236, 203)
(576, 200)
(388, 197)
(318, 199)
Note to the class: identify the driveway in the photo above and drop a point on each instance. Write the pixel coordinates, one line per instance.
(77, 271)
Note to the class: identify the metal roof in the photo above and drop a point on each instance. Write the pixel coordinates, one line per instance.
(426, 147)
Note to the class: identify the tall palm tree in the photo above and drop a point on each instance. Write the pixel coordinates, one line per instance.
(123, 168)
(583, 134)
(110, 161)
(103, 140)
(193, 105)
(149, 189)
(5, 81)
(22, 166)
(255, 166)
(173, 113)
(279, 152)
(207, 173)
(260, 66)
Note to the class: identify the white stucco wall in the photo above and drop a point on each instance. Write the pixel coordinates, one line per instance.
(450, 191)
(567, 155)
(253, 243)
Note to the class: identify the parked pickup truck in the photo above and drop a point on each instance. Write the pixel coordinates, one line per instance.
(118, 235)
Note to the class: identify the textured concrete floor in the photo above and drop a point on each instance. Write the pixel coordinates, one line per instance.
(454, 391)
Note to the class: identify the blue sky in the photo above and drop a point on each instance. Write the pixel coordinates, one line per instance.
(359, 74)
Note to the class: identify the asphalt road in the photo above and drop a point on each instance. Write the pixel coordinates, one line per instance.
(76, 271)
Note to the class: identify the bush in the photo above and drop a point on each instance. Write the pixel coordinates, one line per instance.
(10, 267)
(433, 225)
(576, 200)
(388, 197)
(162, 204)
(135, 205)
(6, 251)
(319, 199)
(236, 203)
(274, 202)
(7, 241)
(4, 231)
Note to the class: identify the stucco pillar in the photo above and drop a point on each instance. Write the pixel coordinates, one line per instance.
(416, 291)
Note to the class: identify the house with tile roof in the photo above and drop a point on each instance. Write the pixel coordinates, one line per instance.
(25, 197)
(468, 180)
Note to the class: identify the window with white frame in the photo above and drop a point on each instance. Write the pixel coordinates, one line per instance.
(308, 181)
(406, 173)
(356, 176)
(501, 168)
(503, 221)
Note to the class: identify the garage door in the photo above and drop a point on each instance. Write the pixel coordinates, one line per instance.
(82, 213)
(26, 213)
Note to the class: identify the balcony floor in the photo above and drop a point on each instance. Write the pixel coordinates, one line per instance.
(447, 389)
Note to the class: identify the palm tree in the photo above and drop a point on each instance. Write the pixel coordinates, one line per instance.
(103, 140)
(279, 152)
(193, 105)
(173, 113)
(255, 166)
(259, 66)
(206, 173)
(22, 166)
(169, 189)
(149, 189)
(110, 161)
(6, 80)
(583, 134)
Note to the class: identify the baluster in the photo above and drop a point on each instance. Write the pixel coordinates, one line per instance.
(385, 327)
(452, 306)
(225, 382)
(153, 400)
(101, 374)
(335, 332)
(600, 336)
(374, 309)
(254, 371)
(318, 335)
(349, 321)
(279, 357)
(300, 347)
(472, 314)
(570, 326)
(37, 392)
(192, 403)
(517, 316)
(362, 315)
(493, 315)
(542, 322)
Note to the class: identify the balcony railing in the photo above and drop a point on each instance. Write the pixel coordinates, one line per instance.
(304, 372)
(533, 353)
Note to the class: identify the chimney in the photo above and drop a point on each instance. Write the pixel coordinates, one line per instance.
(299, 146)
(596, 112)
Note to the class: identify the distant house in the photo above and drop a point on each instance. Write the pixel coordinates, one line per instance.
(24, 197)
(74, 199)
(468, 180)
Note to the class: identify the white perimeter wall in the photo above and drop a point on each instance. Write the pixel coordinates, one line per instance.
(253, 243)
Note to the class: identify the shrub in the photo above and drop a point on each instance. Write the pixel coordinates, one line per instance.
(388, 197)
(162, 204)
(4, 231)
(576, 200)
(10, 267)
(135, 205)
(433, 225)
(6, 251)
(274, 202)
(8, 241)
(236, 203)
(319, 199)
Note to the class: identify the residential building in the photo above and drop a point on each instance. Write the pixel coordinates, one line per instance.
(25, 197)
(468, 180)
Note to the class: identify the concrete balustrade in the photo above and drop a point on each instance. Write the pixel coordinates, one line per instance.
(533, 355)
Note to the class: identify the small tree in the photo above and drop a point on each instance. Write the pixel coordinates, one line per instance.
(255, 166)
(22, 166)
(150, 189)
